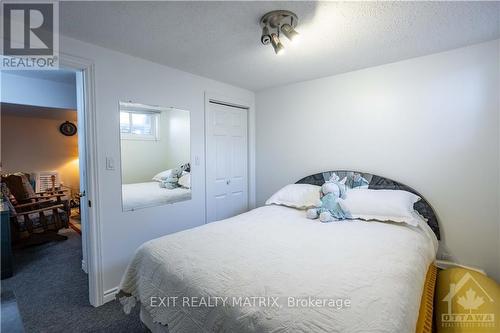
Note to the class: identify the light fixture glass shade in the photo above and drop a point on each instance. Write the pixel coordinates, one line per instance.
(277, 46)
(290, 32)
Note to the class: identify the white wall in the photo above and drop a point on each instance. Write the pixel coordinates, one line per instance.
(119, 77)
(430, 122)
(17, 89)
(498, 204)
(178, 138)
(33, 144)
(142, 159)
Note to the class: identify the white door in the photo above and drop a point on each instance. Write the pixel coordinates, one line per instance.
(226, 161)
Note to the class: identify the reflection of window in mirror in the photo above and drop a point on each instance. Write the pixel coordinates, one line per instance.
(139, 125)
(155, 155)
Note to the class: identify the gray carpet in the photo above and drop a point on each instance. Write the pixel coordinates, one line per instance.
(51, 291)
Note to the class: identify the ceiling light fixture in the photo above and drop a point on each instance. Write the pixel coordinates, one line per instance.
(275, 22)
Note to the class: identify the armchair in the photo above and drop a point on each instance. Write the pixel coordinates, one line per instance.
(20, 187)
(36, 222)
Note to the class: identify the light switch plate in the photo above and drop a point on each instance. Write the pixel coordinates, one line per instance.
(110, 163)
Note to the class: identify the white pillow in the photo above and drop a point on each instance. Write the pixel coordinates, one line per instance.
(381, 205)
(185, 180)
(301, 196)
(164, 174)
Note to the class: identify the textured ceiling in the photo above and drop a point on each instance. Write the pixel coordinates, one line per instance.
(221, 40)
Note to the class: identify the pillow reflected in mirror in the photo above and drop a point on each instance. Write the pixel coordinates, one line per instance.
(185, 180)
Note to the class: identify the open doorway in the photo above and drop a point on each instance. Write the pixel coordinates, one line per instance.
(42, 148)
(43, 168)
(40, 167)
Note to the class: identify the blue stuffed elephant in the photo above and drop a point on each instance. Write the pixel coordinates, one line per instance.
(330, 209)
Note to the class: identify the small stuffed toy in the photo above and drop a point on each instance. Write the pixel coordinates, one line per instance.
(329, 208)
(355, 180)
(172, 180)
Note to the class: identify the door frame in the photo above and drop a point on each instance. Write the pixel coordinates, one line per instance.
(92, 234)
(240, 103)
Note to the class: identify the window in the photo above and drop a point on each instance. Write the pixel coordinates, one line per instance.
(139, 125)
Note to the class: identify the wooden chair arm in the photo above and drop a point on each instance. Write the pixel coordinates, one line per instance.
(52, 192)
(47, 196)
(33, 203)
(41, 210)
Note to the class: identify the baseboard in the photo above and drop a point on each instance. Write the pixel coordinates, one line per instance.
(84, 267)
(109, 295)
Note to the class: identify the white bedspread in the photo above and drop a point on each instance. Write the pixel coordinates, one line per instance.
(140, 195)
(275, 251)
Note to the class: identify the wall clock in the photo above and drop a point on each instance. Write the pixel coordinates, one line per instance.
(67, 128)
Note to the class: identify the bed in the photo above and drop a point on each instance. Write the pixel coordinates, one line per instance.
(365, 276)
(140, 195)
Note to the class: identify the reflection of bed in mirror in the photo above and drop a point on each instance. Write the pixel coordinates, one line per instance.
(149, 194)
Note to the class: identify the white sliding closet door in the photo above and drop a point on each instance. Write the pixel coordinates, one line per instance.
(226, 161)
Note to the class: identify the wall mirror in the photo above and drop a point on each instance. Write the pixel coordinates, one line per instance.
(155, 155)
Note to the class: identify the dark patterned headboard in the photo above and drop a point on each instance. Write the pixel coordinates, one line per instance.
(379, 183)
